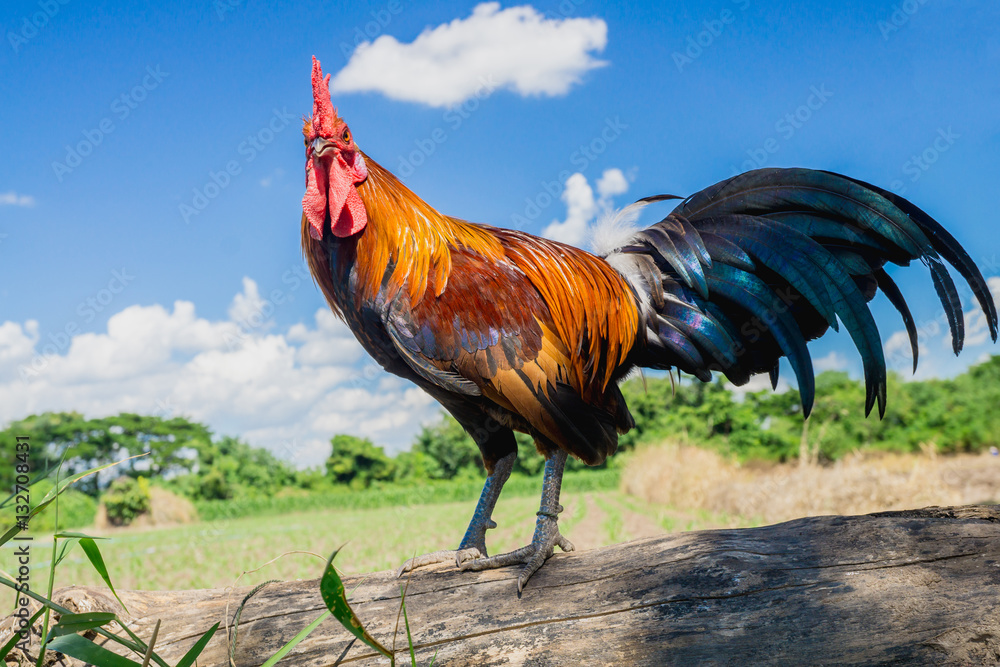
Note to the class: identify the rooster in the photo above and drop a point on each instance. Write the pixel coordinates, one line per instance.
(511, 332)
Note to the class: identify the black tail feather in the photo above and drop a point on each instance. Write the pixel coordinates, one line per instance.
(757, 265)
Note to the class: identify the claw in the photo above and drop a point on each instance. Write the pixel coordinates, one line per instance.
(463, 555)
(533, 556)
(458, 556)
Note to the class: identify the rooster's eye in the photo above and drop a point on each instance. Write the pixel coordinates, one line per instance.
(346, 136)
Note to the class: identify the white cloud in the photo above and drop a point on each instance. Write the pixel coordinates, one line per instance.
(247, 307)
(580, 210)
(612, 183)
(11, 198)
(977, 331)
(288, 391)
(581, 206)
(762, 382)
(897, 347)
(516, 49)
(834, 361)
(937, 360)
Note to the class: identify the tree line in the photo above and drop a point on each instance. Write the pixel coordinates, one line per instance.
(947, 415)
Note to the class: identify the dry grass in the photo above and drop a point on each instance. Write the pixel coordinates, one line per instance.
(694, 478)
(166, 509)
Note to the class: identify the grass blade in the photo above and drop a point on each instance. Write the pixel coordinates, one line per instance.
(152, 642)
(67, 546)
(67, 534)
(71, 623)
(239, 612)
(406, 624)
(284, 650)
(52, 566)
(143, 646)
(198, 647)
(89, 547)
(332, 589)
(77, 647)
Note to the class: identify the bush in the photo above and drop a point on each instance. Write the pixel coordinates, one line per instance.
(450, 450)
(358, 462)
(127, 498)
(214, 486)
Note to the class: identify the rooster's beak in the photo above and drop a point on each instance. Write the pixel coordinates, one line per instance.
(322, 147)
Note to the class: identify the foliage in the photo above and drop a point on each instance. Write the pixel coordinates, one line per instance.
(229, 467)
(90, 443)
(357, 462)
(127, 498)
(449, 449)
(950, 415)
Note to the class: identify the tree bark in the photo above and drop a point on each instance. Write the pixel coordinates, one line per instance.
(920, 587)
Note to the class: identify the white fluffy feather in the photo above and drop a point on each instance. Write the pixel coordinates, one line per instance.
(615, 229)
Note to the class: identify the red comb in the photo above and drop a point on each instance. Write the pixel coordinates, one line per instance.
(323, 111)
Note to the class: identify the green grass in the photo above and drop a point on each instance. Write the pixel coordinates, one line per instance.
(394, 496)
(614, 523)
(212, 554)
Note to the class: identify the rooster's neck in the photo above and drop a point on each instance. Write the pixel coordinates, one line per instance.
(407, 243)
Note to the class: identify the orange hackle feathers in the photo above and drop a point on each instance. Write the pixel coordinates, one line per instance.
(413, 236)
(591, 308)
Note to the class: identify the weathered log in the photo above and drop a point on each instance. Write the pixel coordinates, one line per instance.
(915, 587)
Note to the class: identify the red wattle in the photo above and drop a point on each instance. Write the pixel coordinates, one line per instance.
(353, 216)
(314, 202)
(347, 211)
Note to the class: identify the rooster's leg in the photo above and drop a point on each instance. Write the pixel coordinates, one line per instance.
(474, 543)
(547, 535)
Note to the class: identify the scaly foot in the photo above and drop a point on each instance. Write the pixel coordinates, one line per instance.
(474, 543)
(546, 538)
(456, 556)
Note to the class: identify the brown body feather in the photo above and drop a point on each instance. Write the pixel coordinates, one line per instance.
(540, 328)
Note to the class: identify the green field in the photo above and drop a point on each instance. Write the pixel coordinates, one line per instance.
(213, 554)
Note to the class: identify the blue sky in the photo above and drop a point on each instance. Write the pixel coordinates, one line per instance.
(115, 117)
